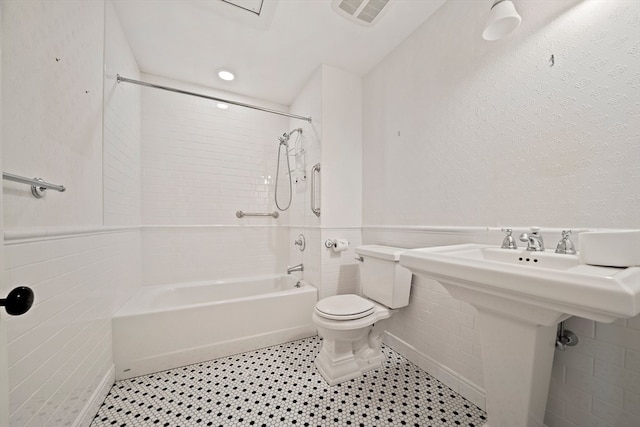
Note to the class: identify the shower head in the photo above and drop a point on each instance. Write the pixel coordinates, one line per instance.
(284, 139)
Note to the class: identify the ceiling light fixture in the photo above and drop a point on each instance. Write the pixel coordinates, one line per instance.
(503, 19)
(226, 75)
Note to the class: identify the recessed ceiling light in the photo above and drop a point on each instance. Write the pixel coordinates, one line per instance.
(222, 106)
(226, 75)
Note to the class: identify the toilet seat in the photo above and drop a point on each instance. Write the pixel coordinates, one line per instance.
(344, 307)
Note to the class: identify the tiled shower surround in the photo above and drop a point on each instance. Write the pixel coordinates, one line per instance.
(279, 386)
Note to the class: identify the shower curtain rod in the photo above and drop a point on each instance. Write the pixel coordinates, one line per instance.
(213, 98)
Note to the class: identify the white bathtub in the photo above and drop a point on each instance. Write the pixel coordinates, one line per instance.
(167, 326)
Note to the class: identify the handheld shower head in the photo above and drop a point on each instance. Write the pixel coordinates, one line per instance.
(284, 139)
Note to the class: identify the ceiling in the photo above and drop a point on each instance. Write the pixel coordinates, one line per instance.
(272, 54)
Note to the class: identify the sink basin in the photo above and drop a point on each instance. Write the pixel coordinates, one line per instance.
(545, 279)
(520, 297)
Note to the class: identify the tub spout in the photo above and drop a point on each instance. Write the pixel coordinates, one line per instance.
(298, 267)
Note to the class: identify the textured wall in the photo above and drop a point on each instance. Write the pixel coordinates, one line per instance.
(461, 133)
(516, 140)
(52, 107)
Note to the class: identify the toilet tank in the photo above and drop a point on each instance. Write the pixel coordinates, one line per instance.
(382, 277)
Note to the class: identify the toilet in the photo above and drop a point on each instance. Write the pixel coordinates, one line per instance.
(350, 324)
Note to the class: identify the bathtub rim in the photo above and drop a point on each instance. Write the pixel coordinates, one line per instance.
(129, 309)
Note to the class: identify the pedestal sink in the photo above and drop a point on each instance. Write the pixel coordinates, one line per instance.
(521, 296)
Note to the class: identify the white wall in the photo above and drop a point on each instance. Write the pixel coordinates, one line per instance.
(341, 179)
(463, 132)
(333, 98)
(461, 135)
(52, 90)
(122, 129)
(60, 361)
(303, 221)
(341, 148)
(200, 165)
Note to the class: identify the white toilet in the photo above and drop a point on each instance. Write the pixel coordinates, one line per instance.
(348, 325)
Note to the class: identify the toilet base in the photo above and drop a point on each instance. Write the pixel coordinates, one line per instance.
(344, 357)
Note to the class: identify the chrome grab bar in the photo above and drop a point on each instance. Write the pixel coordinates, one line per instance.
(315, 170)
(38, 185)
(241, 214)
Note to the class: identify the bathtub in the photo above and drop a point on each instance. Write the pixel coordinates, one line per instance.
(168, 326)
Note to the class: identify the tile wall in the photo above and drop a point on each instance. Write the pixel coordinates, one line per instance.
(122, 172)
(60, 361)
(200, 165)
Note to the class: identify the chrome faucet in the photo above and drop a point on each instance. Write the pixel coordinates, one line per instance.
(534, 240)
(509, 242)
(565, 245)
(298, 267)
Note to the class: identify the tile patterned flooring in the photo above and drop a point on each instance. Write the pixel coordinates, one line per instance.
(278, 386)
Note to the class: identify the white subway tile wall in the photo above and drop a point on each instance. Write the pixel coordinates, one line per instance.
(60, 351)
(201, 164)
(178, 254)
(301, 219)
(122, 127)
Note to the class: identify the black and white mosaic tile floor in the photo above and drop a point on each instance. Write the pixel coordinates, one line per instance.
(279, 386)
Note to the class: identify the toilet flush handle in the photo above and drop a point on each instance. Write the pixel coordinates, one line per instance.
(359, 258)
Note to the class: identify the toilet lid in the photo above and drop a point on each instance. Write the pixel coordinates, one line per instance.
(344, 307)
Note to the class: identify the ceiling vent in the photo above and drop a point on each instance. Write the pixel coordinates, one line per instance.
(364, 12)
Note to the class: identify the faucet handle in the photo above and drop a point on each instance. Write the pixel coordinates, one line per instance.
(535, 229)
(509, 242)
(565, 245)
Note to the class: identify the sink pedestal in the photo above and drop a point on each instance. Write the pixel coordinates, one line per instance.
(521, 296)
(517, 356)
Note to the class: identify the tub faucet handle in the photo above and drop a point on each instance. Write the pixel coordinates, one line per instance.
(565, 245)
(509, 242)
(300, 241)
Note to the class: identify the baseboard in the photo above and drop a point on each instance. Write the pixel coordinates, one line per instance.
(467, 389)
(92, 406)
